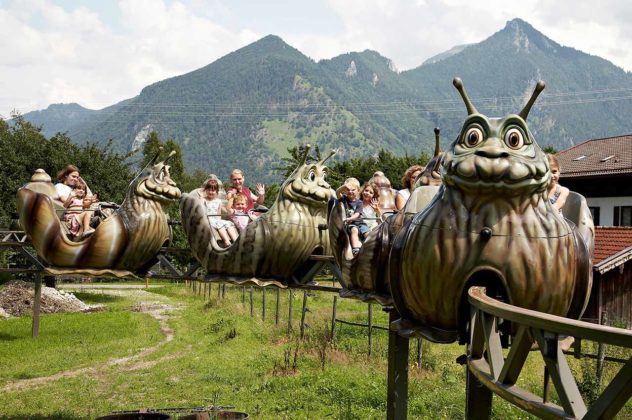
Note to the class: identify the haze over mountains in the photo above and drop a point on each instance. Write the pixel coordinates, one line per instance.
(245, 109)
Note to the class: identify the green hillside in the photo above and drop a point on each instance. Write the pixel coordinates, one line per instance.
(245, 109)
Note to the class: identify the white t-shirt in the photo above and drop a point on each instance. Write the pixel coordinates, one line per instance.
(405, 193)
(369, 213)
(63, 190)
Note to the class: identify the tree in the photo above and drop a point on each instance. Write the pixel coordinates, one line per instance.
(25, 149)
(296, 159)
(364, 168)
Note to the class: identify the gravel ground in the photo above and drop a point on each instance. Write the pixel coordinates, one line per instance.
(16, 299)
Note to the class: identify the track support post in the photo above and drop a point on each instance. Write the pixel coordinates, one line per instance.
(397, 392)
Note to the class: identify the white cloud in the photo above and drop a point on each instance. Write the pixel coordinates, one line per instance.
(72, 56)
(51, 54)
(410, 32)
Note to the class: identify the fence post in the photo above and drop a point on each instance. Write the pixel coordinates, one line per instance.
(601, 351)
(370, 328)
(263, 303)
(419, 352)
(303, 314)
(397, 383)
(251, 304)
(243, 295)
(278, 301)
(37, 299)
(289, 316)
(223, 290)
(333, 318)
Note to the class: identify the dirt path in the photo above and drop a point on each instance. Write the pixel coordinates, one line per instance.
(158, 310)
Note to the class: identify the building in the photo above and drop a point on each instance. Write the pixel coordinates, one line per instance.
(612, 277)
(601, 171)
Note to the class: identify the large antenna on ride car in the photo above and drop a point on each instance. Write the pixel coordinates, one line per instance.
(152, 160)
(305, 153)
(458, 84)
(331, 153)
(437, 132)
(539, 87)
(173, 153)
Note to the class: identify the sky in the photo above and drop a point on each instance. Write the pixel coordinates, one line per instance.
(97, 53)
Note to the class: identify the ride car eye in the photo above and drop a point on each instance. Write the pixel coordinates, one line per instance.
(312, 175)
(473, 136)
(514, 138)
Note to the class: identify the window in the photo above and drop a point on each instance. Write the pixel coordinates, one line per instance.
(594, 211)
(606, 159)
(622, 216)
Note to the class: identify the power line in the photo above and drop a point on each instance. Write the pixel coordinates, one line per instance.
(274, 109)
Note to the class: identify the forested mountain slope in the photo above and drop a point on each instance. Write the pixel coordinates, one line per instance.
(246, 108)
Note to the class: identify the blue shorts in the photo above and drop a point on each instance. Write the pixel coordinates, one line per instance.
(363, 228)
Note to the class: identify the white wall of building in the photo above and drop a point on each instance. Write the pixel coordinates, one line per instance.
(606, 207)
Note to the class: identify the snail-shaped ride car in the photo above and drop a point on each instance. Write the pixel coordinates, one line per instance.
(123, 244)
(365, 276)
(491, 224)
(274, 249)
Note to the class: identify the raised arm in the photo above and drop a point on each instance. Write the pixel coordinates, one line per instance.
(261, 192)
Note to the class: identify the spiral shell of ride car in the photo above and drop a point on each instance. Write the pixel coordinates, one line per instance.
(124, 243)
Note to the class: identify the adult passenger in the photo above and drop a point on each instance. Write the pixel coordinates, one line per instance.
(408, 180)
(237, 186)
(68, 179)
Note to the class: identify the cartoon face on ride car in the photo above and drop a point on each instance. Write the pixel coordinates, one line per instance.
(490, 224)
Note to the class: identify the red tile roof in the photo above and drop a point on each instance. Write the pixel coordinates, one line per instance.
(608, 156)
(610, 241)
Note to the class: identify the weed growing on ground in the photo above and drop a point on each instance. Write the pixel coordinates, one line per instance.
(221, 353)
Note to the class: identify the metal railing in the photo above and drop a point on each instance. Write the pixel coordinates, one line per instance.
(490, 372)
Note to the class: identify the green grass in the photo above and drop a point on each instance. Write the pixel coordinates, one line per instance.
(221, 355)
(279, 136)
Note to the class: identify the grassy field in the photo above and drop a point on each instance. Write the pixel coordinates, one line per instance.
(177, 350)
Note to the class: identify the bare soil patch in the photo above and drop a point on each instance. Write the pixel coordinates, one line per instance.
(16, 299)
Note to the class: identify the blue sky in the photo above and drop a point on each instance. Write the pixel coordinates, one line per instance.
(99, 52)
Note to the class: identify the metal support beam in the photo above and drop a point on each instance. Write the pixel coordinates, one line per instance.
(478, 398)
(397, 392)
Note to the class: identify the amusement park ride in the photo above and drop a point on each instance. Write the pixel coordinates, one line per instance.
(477, 255)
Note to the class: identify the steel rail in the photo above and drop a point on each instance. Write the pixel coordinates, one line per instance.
(547, 322)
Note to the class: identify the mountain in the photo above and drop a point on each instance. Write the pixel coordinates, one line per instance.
(60, 117)
(245, 109)
(506, 66)
(452, 51)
